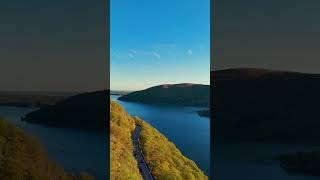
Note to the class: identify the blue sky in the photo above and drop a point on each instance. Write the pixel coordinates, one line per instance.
(158, 42)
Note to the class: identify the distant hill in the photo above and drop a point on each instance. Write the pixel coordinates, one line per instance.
(266, 105)
(173, 94)
(22, 157)
(162, 156)
(86, 111)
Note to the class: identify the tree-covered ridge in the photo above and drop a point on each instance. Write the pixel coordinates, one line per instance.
(123, 165)
(164, 158)
(22, 157)
(260, 105)
(86, 111)
(184, 94)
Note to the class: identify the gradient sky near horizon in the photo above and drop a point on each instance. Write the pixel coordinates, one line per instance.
(53, 45)
(273, 34)
(159, 42)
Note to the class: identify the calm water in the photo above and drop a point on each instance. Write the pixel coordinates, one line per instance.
(181, 125)
(74, 150)
(253, 161)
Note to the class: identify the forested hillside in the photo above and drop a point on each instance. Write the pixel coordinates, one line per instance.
(162, 156)
(22, 157)
(122, 162)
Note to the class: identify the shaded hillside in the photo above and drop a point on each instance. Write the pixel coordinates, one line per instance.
(162, 156)
(253, 104)
(122, 162)
(175, 94)
(25, 99)
(85, 111)
(22, 157)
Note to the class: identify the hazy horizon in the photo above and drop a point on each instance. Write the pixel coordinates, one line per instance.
(156, 85)
(40, 91)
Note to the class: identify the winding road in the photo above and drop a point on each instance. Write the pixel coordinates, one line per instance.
(142, 164)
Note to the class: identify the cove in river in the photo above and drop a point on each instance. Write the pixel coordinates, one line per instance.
(181, 125)
(74, 150)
